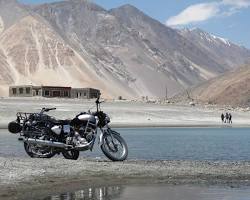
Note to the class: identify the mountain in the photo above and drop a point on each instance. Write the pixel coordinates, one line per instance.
(10, 12)
(121, 51)
(225, 52)
(232, 88)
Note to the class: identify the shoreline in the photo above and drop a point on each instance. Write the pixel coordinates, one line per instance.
(131, 114)
(162, 125)
(22, 175)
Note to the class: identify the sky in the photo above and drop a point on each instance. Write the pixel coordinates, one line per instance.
(229, 19)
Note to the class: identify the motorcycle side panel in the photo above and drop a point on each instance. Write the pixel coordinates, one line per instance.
(57, 129)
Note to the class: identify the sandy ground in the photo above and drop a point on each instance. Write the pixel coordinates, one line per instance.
(19, 175)
(127, 114)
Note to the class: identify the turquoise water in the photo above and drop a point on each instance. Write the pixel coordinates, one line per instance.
(165, 144)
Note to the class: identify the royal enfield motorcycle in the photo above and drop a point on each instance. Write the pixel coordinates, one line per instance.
(44, 136)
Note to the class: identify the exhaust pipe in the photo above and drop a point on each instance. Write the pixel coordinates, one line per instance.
(84, 147)
(48, 143)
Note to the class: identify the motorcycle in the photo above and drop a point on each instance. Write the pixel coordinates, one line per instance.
(44, 136)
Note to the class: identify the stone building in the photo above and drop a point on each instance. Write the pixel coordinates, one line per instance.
(21, 91)
(84, 93)
(53, 91)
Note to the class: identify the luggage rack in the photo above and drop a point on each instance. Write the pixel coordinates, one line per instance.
(23, 116)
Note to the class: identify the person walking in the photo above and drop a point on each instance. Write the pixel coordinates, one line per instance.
(230, 118)
(222, 117)
(227, 118)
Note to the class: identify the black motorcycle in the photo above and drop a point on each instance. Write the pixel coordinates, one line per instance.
(44, 136)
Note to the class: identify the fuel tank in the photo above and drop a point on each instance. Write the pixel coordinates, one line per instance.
(84, 119)
(87, 118)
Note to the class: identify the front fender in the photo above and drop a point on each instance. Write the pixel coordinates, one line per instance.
(101, 136)
(105, 132)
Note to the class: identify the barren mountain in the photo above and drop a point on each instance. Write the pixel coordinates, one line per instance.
(11, 12)
(121, 51)
(33, 53)
(232, 88)
(225, 52)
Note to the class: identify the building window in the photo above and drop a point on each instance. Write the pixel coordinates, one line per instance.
(20, 90)
(56, 93)
(37, 92)
(46, 93)
(85, 94)
(27, 90)
(13, 90)
(66, 93)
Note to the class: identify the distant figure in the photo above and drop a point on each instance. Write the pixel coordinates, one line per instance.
(230, 118)
(227, 118)
(222, 117)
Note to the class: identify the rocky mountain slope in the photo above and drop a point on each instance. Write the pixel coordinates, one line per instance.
(121, 51)
(232, 88)
(225, 52)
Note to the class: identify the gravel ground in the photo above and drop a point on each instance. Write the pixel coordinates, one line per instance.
(18, 175)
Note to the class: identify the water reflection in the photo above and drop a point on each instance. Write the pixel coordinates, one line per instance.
(156, 192)
(92, 193)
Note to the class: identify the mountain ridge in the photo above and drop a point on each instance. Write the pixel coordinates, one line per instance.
(122, 51)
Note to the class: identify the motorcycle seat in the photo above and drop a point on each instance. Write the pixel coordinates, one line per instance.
(62, 122)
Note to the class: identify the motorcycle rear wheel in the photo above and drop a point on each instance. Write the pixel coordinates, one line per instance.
(115, 147)
(34, 151)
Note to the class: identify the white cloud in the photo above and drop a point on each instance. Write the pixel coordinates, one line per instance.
(204, 11)
(234, 6)
(194, 13)
(237, 3)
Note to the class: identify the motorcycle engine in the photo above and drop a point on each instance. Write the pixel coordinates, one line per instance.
(80, 137)
(84, 128)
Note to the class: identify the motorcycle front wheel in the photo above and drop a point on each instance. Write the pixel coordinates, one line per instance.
(37, 151)
(114, 147)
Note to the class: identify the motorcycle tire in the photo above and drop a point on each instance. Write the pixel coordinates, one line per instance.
(34, 155)
(71, 155)
(110, 147)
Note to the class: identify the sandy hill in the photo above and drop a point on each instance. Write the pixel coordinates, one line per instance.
(232, 88)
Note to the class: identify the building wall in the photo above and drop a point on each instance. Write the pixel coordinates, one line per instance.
(93, 93)
(37, 91)
(53, 91)
(60, 92)
(20, 91)
(84, 93)
(79, 93)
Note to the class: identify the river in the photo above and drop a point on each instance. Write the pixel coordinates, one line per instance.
(164, 144)
(216, 144)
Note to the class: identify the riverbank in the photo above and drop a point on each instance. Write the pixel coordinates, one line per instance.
(128, 114)
(21, 175)
(159, 125)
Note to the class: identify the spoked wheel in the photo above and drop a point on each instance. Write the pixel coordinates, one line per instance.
(114, 147)
(38, 151)
(71, 155)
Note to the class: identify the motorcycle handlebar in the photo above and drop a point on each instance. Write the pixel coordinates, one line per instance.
(47, 109)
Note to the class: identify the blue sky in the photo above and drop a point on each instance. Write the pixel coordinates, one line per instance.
(225, 18)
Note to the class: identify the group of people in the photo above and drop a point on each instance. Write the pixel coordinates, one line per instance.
(226, 118)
